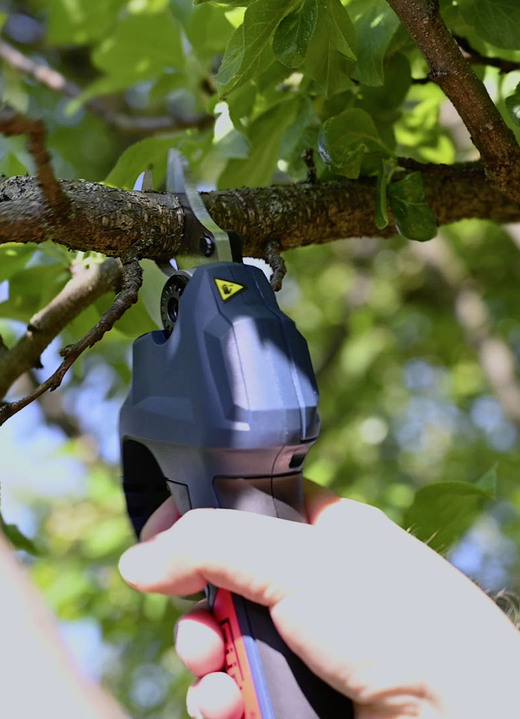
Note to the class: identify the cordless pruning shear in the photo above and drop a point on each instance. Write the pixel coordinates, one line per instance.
(221, 412)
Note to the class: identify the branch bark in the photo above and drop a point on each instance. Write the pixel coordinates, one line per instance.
(476, 58)
(12, 123)
(496, 143)
(150, 225)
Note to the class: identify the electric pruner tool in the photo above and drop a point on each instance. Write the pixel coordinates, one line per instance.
(221, 412)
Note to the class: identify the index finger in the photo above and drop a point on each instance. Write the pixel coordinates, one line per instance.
(163, 518)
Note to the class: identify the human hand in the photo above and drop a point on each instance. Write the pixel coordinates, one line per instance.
(370, 609)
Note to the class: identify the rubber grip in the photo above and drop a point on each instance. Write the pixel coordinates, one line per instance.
(274, 682)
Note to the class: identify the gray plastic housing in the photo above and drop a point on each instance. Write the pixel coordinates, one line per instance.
(230, 393)
(222, 413)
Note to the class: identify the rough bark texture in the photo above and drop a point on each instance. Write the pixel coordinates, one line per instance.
(150, 225)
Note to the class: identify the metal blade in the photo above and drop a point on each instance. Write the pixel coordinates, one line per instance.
(180, 180)
(144, 182)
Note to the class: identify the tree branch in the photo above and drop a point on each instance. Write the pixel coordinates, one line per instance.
(476, 58)
(128, 124)
(84, 288)
(127, 295)
(12, 123)
(496, 143)
(151, 224)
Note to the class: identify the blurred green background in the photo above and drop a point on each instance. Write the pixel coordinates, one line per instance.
(415, 346)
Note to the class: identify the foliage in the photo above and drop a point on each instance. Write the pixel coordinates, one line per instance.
(412, 377)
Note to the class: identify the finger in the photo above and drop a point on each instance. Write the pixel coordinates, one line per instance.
(162, 519)
(199, 642)
(215, 696)
(229, 549)
(338, 516)
(317, 500)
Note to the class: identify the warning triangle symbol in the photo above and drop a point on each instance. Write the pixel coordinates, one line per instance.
(228, 289)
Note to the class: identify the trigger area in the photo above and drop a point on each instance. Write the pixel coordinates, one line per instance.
(280, 497)
(144, 484)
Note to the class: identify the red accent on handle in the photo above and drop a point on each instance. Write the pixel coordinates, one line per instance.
(236, 662)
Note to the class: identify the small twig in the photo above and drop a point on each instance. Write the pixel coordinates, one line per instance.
(127, 295)
(12, 123)
(85, 287)
(121, 122)
(276, 263)
(476, 58)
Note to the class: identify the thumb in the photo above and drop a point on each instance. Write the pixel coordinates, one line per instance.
(262, 558)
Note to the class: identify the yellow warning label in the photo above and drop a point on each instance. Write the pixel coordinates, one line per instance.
(228, 289)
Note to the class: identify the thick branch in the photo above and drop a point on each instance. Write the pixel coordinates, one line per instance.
(151, 224)
(453, 73)
(132, 125)
(101, 218)
(84, 288)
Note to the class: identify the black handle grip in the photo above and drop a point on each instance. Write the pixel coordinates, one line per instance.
(274, 682)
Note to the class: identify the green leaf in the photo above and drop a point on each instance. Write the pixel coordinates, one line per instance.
(233, 3)
(31, 289)
(81, 21)
(151, 290)
(496, 21)
(345, 138)
(331, 55)
(147, 154)
(14, 257)
(292, 36)
(414, 218)
(265, 136)
(340, 26)
(381, 216)
(232, 60)
(159, 42)
(488, 482)
(246, 52)
(241, 103)
(233, 144)
(375, 24)
(441, 513)
(14, 157)
(18, 539)
(208, 30)
(513, 105)
(384, 176)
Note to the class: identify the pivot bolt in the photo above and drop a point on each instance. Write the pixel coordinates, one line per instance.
(207, 245)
